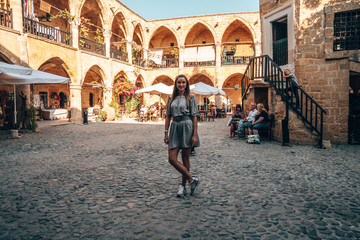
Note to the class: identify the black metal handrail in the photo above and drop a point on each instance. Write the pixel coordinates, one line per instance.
(118, 54)
(92, 46)
(6, 18)
(45, 31)
(139, 62)
(263, 67)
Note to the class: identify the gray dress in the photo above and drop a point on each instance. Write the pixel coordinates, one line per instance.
(181, 132)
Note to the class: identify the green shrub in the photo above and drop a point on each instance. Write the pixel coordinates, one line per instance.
(102, 115)
(31, 118)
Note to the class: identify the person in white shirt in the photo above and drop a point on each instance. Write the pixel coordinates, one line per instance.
(247, 122)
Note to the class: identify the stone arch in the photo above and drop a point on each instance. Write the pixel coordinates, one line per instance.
(121, 73)
(8, 56)
(167, 27)
(206, 25)
(100, 20)
(120, 14)
(141, 37)
(163, 79)
(245, 23)
(201, 77)
(61, 23)
(54, 95)
(229, 87)
(92, 87)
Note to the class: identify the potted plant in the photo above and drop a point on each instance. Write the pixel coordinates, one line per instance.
(101, 116)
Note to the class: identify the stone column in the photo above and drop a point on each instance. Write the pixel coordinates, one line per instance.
(258, 49)
(75, 103)
(181, 58)
(107, 36)
(217, 71)
(218, 55)
(75, 35)
(129, 49)
(17, 14)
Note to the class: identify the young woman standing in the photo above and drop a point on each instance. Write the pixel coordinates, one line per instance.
(182, 108)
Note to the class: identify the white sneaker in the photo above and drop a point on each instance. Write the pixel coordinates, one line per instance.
(181, 192)
(195, 182)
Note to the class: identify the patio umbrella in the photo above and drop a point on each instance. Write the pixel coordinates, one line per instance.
(205, 89)
(18, 75)
(158, 88)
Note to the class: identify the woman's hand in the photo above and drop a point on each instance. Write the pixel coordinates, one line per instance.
(166, 138)
(194, 140)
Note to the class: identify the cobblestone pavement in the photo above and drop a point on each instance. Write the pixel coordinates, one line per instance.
(112, 181)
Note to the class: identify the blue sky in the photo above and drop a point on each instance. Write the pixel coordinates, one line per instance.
(160, 9)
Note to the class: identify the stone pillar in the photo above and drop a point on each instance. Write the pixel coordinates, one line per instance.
(258, 49)
(75, 35)
(107, 36)
(107, 95)
(218, 55)
(181, 58)
(17, 14)
(75, 103)
(129, 49)
(146, 51)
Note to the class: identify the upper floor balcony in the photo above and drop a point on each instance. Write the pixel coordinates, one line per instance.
(45, 31)
(6, 18)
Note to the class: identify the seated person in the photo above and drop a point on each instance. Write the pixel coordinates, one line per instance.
(236, 117)
(247, 122)
(143, 109)
(260, 121)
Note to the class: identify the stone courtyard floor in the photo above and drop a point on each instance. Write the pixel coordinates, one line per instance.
(113, 181)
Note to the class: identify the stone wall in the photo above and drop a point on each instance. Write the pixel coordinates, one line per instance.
(321, 72)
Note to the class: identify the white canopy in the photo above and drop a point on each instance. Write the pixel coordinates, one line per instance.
(16, 75)
(204, 89)
(159, 88)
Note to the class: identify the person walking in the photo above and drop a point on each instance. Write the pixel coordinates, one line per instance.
(182, 109)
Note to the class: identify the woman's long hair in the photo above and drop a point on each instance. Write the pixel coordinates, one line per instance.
(176, 91)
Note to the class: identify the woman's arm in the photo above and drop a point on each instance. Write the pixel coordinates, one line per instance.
(258, 121)
(194, 138)
(166, 132)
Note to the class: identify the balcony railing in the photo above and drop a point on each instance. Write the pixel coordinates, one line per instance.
(165, 63)
(6, 18)
(45, 31)
(117, 54)
(199, 64)
(92, 46)
(139, 62)
(232, 60)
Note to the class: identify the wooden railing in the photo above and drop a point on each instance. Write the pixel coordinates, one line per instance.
(92, 46)
(45, 31)
(263, 67)
(199, 64)
(165, 63)
(139, 62)
(232, 60)
(117, 54)
(6, 18)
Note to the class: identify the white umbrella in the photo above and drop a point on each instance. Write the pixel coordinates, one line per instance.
(158, 88)
(18, 75)
(206, 90)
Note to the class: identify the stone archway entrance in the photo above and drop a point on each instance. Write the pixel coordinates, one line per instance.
(231, 89)
(92, 89)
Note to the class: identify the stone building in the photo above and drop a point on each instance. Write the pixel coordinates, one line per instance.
(118, 42)
(319, 41)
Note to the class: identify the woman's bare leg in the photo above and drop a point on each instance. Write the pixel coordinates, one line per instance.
(186, 162)
(173, 153)
(231, 129)
(255, 131)
(250, 131)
